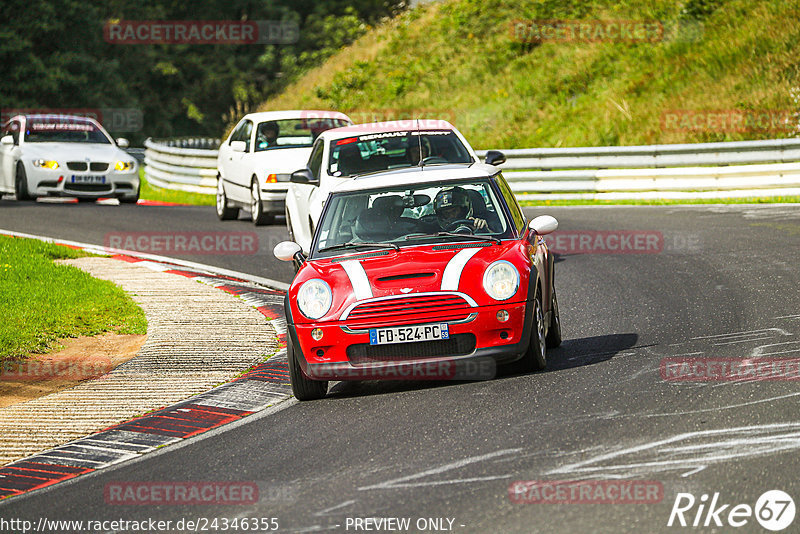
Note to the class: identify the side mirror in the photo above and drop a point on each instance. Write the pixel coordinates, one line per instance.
(303, 176)
(123, 143)
(7, 140)
(543, 225)
(286, 250)
(238, 146)
(495, 157)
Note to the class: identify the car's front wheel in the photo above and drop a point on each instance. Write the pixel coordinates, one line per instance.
(21, 184)
(303, 388)
(535, 358)
(553, 338)
(256, 209)
(133, 199)
(224, 212)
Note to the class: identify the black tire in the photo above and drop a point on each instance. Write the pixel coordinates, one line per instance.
(303, 388)
(535, 358)
(553, 338)
(131, 199)
(21, 184)
(224, 212)
(256, 209)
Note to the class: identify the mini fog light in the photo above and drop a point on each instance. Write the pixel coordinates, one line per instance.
(316, 334)
(502, 316)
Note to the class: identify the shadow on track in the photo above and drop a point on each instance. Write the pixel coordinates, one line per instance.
(572, 353)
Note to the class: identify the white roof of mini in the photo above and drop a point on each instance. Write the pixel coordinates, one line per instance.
(414, 176)
(311, 114)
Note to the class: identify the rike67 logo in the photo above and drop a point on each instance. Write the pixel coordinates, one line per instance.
(774, 510)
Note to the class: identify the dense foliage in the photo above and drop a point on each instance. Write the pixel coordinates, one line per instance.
(718, 70)
(55, 56)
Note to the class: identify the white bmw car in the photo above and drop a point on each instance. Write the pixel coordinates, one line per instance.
(66, 156)
(255, 161)
(342, 153)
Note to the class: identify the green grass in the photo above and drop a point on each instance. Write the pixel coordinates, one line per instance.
(458, 60)
(41, 302)
(149, 192)
(663, 201)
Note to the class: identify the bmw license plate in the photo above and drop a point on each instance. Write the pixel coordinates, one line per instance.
(408, 334)
(88, 179)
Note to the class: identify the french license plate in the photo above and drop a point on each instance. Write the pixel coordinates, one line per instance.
(408, 334)
(88, 179)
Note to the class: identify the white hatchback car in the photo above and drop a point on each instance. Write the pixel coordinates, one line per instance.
(341, 153)
(67, 156)
(255, 161)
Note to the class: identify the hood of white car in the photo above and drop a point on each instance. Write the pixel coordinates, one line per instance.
(281, 160)
(74, 152)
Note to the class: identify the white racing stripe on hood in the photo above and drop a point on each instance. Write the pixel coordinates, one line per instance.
(358, 279)
(452, 273)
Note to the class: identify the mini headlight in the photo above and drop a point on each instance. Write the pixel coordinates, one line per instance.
(314, 298)
(123, 165)
(47, 164)
(501, 280)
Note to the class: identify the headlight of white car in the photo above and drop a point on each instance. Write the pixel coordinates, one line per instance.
(123, 165)
(314, 298)
(47, 164)
(501, 280)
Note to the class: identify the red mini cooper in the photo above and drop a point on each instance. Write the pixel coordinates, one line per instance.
(424, 273)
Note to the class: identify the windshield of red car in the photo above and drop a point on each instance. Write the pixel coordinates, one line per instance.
(415, 215)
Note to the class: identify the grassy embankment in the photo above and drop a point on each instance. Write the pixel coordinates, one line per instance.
(43, 301)
(460, 60)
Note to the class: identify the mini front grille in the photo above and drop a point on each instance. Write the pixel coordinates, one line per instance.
(430, 307)
(77, 165)
(457, 345)
(98, 166)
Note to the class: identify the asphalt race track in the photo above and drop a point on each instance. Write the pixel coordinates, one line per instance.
(698, 282)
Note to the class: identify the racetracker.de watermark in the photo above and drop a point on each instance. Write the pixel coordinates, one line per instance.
(401, 119)
(200, 243)
(605, 242)
(477, 369)
(227, 32)
(65, 369)
(731, 120)
(586, 31)
(586, 492)
(181, 493)
(112, 119)
(683, 369)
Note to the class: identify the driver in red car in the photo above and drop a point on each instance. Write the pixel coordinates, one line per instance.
(454, 211)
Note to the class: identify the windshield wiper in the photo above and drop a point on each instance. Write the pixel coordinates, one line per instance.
(454, 234)
(352, 244)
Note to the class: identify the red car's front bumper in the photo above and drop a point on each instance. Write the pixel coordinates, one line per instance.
(476, 344)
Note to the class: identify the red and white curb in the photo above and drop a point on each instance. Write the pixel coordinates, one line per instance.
(261, 387)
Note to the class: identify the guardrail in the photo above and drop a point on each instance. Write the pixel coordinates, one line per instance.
(744, 168)
(186, 164)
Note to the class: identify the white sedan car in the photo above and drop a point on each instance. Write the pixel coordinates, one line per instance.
(67, 156)
(255, 161)
(342, 153)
